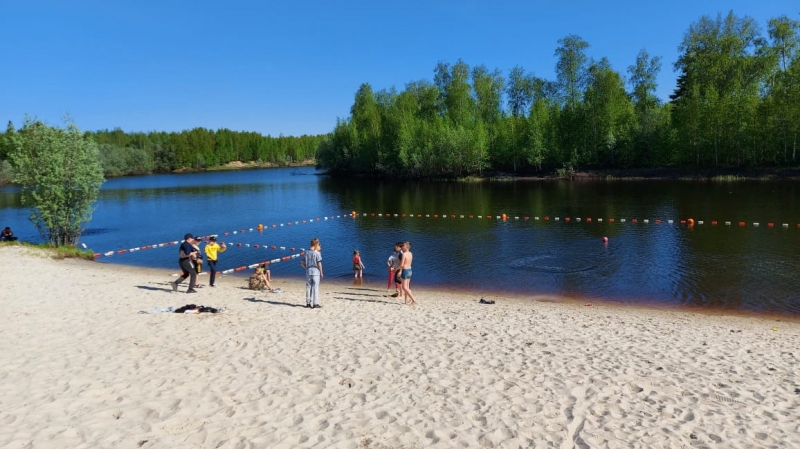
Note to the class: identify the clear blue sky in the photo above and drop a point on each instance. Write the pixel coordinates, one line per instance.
(292, 67)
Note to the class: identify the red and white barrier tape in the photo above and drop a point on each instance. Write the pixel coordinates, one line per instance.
(259, 228)
(267, 262)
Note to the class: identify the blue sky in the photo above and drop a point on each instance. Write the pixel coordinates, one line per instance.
(292, 67)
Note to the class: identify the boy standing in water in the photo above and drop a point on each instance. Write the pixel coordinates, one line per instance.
(358, 265)
(405, 273)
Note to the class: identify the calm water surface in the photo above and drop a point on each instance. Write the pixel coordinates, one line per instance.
(743, 268)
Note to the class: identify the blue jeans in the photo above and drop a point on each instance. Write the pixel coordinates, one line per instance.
(212, 271)
(312, 289)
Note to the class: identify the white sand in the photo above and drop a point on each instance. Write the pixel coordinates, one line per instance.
(80, 368)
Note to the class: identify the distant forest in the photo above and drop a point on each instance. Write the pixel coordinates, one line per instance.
(161, 152)
(736, 105)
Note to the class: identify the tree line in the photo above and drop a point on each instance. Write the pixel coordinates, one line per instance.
(736, 104)
(139, 153)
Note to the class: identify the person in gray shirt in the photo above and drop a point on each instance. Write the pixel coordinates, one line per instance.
(312, 262)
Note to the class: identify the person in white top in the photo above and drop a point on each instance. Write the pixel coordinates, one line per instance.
(312, 262)
(393, 263)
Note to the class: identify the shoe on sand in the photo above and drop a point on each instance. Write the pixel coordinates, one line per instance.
(191, 290)
(174, 286)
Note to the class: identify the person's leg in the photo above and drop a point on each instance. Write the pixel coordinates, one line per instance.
(308, 290)
(186, 271)
(398, 284)
(315, 289)
(407, 291)
(212, 272)
(192, 280)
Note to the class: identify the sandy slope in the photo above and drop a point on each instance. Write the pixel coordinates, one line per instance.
(80, 368)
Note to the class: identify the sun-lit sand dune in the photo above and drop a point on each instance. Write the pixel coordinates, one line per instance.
(80, 367)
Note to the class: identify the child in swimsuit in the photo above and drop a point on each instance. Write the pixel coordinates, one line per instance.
(358, 266)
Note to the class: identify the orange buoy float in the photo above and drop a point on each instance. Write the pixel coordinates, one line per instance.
(690, 222)
(605, 239)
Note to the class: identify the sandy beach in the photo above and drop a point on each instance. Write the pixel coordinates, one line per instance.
(80, 367)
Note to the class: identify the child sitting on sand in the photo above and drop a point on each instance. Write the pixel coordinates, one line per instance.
(260, 279)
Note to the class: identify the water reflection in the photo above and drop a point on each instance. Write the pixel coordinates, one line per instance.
(722, 266)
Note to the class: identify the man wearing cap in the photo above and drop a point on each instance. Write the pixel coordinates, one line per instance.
(211, 251)
(187, 255)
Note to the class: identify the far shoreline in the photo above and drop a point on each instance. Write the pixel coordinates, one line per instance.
(632, 174)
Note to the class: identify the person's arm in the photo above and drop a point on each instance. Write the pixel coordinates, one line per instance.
(319, 265)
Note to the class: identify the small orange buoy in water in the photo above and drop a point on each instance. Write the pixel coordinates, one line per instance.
(605, 239)
(690, 222)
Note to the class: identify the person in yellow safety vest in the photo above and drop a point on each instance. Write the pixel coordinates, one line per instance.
(211, 250)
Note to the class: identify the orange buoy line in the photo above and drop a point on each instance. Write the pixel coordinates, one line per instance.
(689, 222)
(260, 228)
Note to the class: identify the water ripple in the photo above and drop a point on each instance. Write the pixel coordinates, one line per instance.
(553, 263)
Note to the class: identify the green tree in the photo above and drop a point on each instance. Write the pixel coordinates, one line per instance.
(649, 126)
(610, 117)
(60, 175)
(572, 69)
(366, 118)
(572, 75)
(780, 109)
(455, 91)
(6, 171)
(719, 87)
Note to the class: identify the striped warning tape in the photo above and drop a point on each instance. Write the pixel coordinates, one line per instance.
(252, 266)
(228, 245)
(258, 228)
(266, 262)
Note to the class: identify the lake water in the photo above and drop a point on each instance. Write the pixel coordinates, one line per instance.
(742, 268)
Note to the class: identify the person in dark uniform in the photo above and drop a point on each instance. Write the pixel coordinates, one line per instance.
(187, 254)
